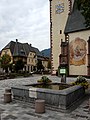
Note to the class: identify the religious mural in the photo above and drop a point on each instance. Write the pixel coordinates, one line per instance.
(78, 52)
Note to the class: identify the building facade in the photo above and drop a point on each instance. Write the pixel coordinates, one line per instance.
(67, 28)
(25, 52)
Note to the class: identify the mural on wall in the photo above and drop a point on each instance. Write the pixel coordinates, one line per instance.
(78, 52)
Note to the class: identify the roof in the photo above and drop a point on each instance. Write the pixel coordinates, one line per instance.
(38, 53)
(75, 21)
(19, 50)
(28, 48)
(10, 46)
(22, 49)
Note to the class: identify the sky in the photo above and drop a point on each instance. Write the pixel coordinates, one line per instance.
(25, 20)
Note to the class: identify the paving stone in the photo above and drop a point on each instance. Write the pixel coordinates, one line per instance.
(51, 119)
(9, 117)
(79, 118)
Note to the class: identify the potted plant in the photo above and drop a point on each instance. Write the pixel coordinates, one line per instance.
(44, 80)
(81, 81)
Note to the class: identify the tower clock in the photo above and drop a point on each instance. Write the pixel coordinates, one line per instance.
(59, 8)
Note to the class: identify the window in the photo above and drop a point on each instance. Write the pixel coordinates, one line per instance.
(35, 61)
(31, 54)
(29, 59)
(60, 31)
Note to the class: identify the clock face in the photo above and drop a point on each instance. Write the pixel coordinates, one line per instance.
(59, 8)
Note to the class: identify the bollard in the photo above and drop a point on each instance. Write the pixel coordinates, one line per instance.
(40, 106)
(7, 95)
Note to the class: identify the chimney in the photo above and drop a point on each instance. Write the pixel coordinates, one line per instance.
(30, 45)
(16, 40)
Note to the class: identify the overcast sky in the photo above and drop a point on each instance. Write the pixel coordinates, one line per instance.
(25, 20)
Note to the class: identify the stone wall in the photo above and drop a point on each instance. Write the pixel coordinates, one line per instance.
(59, 98)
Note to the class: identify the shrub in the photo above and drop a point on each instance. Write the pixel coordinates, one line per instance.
(44, 80)
(11, 75)
(27, 74)
(81, 81)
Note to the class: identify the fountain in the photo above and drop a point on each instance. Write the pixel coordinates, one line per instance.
(62, 99)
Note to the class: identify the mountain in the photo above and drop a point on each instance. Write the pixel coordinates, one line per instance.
(46, 52)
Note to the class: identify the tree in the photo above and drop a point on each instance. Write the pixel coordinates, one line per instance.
(5, 62)
(39, 65)
(19, 65)
(11, 67)
(84, 7)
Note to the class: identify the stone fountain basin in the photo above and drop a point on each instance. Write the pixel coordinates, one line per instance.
(59, 98)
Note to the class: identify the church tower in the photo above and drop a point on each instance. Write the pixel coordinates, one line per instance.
(69, 37)
(59, 11)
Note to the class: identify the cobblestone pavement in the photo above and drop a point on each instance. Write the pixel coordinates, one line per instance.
(17, 110)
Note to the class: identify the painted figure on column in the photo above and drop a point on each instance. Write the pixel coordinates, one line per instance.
(78, 52)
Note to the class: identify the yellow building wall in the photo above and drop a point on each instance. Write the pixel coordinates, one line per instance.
(79, 68)
(58, 23)
(31, 59)
(45, 64)
(7, 51)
